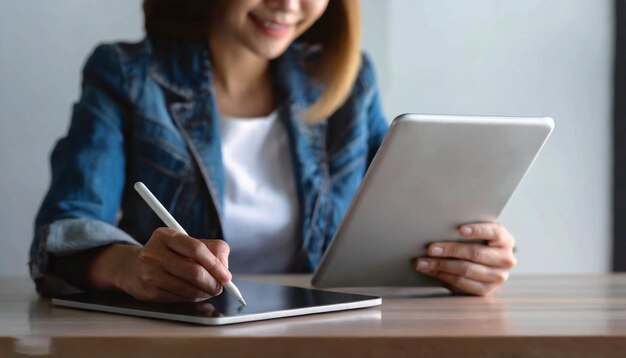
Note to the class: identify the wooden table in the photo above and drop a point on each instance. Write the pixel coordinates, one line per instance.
(546, 316)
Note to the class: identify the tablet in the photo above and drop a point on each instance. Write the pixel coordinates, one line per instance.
(431, 174)
(265, 301)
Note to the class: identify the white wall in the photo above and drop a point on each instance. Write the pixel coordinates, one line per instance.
(525, 57)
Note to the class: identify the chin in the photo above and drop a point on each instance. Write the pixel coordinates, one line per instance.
(271, 52)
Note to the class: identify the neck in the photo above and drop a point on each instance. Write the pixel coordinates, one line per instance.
(242, 79)
(237, 70)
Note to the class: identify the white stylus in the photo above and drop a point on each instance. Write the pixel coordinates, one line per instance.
(169, 220)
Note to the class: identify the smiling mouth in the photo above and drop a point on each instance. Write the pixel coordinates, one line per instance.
(275, 25)
(272, 28)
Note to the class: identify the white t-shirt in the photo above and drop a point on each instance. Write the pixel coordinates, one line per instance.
(261, 209)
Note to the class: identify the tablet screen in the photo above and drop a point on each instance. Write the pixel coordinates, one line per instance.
(265, 301)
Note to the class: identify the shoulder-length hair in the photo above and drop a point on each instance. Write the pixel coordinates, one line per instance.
(337, 32)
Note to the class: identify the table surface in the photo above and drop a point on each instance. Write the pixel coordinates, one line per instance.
(573, 315)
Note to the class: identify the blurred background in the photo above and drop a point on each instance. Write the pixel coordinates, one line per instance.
(499, 57)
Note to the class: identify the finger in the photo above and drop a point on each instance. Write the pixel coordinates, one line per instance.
(463, 268)
(160, 295)
(166, 259)
(481, 254)
(220, 249)
(156, 277)
(464, 284)
(193, 273)
(155, 294)
(496, 234)
(196, 250)
(183, 289)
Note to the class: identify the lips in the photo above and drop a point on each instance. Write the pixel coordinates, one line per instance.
(272, 28)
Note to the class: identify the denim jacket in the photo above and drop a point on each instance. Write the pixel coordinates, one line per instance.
(148, 113)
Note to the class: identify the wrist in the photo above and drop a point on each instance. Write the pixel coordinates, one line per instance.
(111, 268)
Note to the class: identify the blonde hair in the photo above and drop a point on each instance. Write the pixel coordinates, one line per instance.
(337, 32)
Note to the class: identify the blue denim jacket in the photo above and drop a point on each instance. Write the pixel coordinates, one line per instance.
(148, 113)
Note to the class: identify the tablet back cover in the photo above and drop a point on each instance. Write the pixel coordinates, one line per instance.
(430, 175)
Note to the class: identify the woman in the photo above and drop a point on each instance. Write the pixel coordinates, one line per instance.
(252, 121)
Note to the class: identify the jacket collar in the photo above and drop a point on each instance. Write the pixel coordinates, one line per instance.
(184, 68)
(181, 67)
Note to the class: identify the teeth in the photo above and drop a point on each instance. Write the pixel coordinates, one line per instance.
(273, 25)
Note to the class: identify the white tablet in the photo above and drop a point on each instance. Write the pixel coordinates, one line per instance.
(431, 174)
(264, 301)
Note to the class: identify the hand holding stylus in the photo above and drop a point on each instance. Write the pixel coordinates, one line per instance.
(175, 267)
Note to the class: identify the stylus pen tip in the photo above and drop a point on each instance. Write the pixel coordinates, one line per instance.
(233, 290)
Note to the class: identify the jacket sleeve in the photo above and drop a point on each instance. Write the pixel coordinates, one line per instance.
(80, 208)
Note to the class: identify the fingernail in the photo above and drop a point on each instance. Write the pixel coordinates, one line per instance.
(422, 265)
(466, 230)
(226, 276)
(436, 250)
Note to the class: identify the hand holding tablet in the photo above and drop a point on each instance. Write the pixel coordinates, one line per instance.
(431, 175)
(476, 268)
